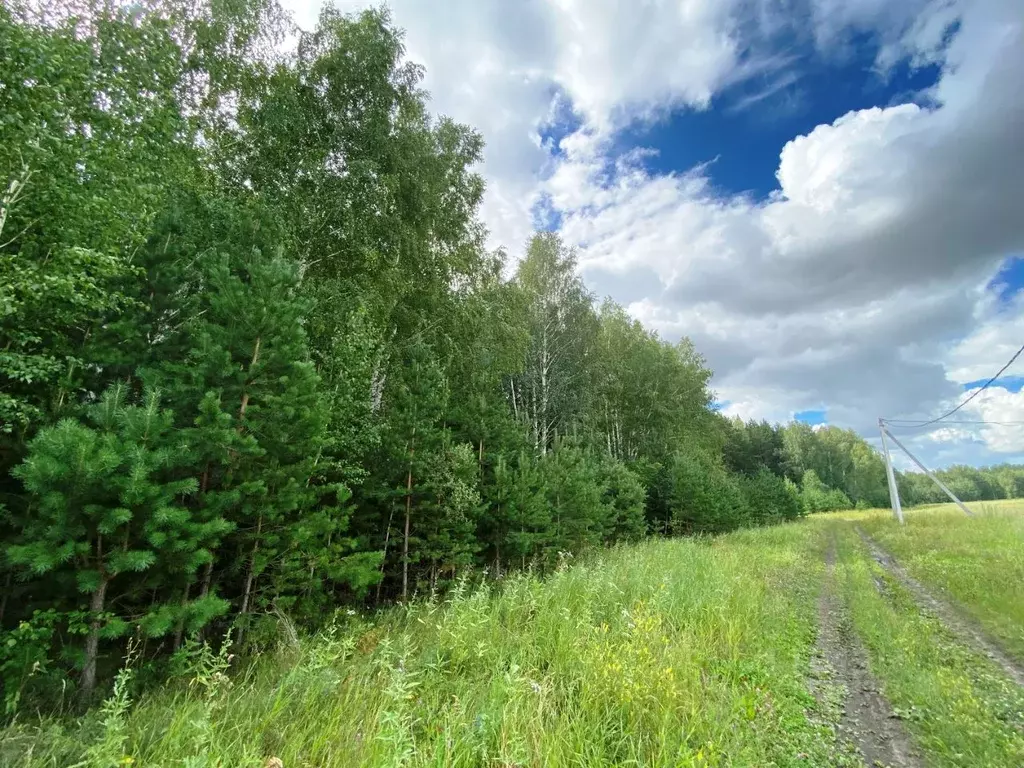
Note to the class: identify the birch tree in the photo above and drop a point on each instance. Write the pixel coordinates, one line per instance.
(553, 391)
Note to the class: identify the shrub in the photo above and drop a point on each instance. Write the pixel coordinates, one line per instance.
(624, 497)
(704, 497)
(818, 497)
(770, 499)
(26, 671)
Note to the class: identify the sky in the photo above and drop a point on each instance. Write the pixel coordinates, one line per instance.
(827, 196)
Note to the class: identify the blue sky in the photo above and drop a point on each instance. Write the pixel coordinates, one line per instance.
(823, 195)
(1009, 280)
(813, 416)
(740, 135)
(1008, 382)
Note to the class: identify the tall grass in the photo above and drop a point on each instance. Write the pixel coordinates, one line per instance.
(978, 561)
(669, 653)
(956, 702)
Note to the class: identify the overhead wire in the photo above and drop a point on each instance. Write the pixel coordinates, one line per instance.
(913, 424)
(968, 399)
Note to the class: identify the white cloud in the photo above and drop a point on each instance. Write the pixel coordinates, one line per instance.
(616, 57)
(860, 284)
(997, 335)
(848, 286)
(999, 405)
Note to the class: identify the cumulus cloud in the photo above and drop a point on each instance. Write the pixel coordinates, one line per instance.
(859, 286)
(849, 284)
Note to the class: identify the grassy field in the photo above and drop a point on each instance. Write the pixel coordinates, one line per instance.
(669, 653)
(976, 562)
(960, 707)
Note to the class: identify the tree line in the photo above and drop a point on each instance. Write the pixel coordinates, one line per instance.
(837, 469)
(256, 360)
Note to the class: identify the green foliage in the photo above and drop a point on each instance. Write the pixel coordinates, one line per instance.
(847, 471)
(25, 661)
(968, 483)
(108, 751)
(818, 497)
(755, 446)
(625, 498)
(579, 518)
(47, 308)
(103, 508)
(553, 391)
(517, 522)
(770, 499)
(703, 496)
(256, 363)
(91, 126)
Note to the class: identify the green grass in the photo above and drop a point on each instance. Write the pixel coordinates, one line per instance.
(670, 653)
(977, 563)
(958, 704)
(667, 653)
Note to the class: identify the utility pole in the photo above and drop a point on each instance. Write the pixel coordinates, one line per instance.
(894, 491)
(924, 469)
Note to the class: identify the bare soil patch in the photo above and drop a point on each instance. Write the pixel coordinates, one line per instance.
(867, 721)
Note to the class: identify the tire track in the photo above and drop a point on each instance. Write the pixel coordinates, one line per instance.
(954, 620)
(867, 720)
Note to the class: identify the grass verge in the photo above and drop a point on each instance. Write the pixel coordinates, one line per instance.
(670, 653)
(960, 707)
(976, 562)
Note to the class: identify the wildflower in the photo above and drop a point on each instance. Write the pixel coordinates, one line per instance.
(350, 612)
(535, 686)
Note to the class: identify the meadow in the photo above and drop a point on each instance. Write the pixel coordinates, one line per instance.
(976, 562)
(683, 652)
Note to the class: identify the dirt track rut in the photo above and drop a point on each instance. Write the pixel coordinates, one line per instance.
(951, 617)
(867, 720)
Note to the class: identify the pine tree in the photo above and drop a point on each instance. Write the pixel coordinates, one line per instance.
(102, 510)
(414, 435)
(574, 488)
(252, 353)
(450, 508)
(624, 497)
(704, 498)
(251, 409)
(517, 523)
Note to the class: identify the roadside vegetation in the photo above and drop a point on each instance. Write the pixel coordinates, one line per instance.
(976, 563)
(699, 652)
(687, 652)
(957, 703)
(293, 465)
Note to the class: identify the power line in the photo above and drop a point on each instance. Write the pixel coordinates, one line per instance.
(973, 394)
(910, 424)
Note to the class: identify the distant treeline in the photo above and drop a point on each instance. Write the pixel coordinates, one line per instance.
(1004, 481)
(838, 469)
